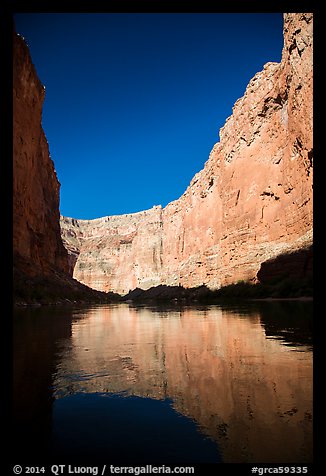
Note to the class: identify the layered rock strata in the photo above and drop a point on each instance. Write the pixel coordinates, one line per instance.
(251, 202)
(117, 252)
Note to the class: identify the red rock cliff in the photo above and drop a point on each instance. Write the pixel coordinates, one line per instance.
(252, 201)
(37, 244)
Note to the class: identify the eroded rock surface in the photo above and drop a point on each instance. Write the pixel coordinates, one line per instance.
(117, 252)
(251, 202)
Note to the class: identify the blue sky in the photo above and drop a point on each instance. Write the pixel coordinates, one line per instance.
(134, 102)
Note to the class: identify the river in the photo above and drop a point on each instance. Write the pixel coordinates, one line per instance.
(134, 384)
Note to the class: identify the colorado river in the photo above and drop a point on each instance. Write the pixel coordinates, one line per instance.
(131, 384)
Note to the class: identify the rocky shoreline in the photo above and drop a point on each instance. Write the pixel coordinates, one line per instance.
(284, 290)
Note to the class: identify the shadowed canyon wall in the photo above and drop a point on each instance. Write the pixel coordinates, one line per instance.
(41, 268)
(251, 202)
(37, 244)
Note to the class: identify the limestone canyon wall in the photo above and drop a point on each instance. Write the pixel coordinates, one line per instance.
(251, 202)
(37, 243)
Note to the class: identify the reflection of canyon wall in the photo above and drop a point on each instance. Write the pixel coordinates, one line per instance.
(36, 343)
(251, 202)
(254, 396)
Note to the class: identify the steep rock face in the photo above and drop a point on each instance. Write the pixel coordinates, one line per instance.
(118, 252)
(253, 199)
(251, 202)
(37, 244)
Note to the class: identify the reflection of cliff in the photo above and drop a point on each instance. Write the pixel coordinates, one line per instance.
(292, 328)
(36, 341)
(252, 394)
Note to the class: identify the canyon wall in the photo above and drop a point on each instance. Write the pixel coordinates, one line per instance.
(37, 244)
(117, 252)
(41, 271)
(251, 203)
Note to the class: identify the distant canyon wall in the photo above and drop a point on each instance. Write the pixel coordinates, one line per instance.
(37, 243)
(252, 201)
(118, 252)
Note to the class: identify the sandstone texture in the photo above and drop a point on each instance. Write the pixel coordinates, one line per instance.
(251, 203)
(37, 244)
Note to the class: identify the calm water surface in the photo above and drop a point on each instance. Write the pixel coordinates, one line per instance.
(132, 384)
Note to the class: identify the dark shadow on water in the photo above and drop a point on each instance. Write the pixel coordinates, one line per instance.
(289, 321)
(126, 430)
(37, 335)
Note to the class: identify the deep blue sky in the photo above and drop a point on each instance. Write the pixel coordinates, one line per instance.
(134, 102)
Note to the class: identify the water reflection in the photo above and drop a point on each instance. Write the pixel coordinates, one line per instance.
(121, 429)
(234, 371)
(37, 335)
(292, 324)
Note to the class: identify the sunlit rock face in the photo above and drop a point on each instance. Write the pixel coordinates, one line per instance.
(37, 244)
(118, 252)
(251, 202)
